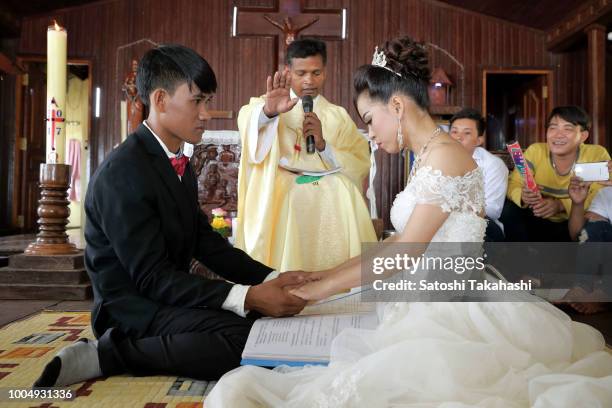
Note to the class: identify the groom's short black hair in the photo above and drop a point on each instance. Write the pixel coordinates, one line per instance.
(168, 66)
(306, 47)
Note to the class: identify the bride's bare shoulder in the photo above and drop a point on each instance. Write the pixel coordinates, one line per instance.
(450, 158)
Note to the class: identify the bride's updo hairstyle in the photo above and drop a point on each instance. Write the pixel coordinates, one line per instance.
(401, 66)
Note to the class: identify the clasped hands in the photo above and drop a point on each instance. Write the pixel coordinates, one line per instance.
(544, 207)
(287, 294)
(278, 100)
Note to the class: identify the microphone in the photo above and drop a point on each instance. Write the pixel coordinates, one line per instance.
(307, 105)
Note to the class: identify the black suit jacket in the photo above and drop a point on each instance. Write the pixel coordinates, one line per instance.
(143, 227)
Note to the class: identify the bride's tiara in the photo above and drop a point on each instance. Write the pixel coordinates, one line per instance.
(380, 60)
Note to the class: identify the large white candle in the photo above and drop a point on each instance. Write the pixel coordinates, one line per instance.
(56, 93)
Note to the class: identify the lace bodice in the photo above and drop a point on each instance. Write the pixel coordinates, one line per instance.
(461, 196)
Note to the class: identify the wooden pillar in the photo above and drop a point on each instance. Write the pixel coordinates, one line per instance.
(596, 82)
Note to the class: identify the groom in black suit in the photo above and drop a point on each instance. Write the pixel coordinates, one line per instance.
(144, 226)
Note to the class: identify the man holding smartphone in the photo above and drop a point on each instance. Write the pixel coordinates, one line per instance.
(542, 216)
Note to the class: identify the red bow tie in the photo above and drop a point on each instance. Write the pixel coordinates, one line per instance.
(179, 164)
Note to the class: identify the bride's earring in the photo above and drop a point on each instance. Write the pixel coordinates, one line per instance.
(400, 138)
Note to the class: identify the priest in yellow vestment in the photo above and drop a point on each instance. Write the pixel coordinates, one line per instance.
(290, 221)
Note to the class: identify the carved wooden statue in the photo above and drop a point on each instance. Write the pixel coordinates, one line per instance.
(135, 107)
(227, 156)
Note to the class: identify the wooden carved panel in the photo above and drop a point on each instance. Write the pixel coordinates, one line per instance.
(216, 168)
(216, 162)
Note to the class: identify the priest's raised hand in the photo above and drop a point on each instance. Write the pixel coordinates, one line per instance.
(278, 96)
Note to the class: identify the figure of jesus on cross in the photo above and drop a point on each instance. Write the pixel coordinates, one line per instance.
(289, 29)
(288, 17)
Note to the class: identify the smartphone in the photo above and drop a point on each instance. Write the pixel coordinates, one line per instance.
(592, 171)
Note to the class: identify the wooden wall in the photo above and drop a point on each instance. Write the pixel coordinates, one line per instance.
(7, 140)
(571, 76)
(102, 30)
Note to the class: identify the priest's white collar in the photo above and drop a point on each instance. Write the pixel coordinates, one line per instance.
(294, 95)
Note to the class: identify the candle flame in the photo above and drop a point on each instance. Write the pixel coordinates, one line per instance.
(57, 26)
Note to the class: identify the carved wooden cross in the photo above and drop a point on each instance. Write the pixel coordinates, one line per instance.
(286, 21)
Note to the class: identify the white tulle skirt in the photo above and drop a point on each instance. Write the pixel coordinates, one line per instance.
(522, 354)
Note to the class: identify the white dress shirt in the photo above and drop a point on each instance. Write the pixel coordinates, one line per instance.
(234, 302)
(495, 174)
(602, 203)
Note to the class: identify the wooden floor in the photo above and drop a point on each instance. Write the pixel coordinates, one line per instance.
(13, 310)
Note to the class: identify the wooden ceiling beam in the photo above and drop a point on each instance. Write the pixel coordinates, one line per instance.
(573, 27)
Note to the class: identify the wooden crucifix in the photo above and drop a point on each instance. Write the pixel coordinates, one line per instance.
(286, 21)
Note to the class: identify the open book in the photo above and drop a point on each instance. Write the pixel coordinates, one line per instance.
(284, 164)
(306, 338)
(342, 303)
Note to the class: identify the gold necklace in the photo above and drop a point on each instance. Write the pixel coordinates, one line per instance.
(417, 159)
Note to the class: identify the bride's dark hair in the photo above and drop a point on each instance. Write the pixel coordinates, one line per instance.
(405, 57)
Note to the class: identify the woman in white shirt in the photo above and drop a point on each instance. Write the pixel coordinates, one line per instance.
(592, 225)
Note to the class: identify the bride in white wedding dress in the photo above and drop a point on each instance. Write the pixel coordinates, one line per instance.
(438, 354)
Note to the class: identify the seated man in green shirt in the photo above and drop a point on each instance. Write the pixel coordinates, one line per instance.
(542, 216)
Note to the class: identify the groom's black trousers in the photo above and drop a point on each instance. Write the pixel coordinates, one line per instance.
(201, 344)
